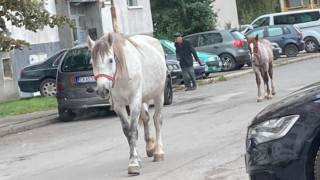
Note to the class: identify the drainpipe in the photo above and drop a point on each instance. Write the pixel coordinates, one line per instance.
(114, 17)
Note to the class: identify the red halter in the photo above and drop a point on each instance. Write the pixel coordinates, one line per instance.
(111, 78)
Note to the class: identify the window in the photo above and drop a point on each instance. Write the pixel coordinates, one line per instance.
(132, 3)
(7, 68)
(275, 31)
(261, 22)
(260, 33)
(193, 40)
(210, 38)
(297, 18)
(77, 60)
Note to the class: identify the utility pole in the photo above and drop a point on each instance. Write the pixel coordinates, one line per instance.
(114, 18)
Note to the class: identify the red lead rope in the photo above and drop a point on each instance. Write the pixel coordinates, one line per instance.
(111, 78)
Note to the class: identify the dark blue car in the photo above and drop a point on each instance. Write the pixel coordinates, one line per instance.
(288, 37)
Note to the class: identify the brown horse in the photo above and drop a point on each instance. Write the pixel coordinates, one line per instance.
(261, 57)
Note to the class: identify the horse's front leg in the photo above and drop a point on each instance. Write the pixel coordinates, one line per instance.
(158, 106)
(258, 81)
(131, 132)
(134, 162)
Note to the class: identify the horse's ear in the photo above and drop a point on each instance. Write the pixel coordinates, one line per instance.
(90, 43)
(110, 39)
(257, 37)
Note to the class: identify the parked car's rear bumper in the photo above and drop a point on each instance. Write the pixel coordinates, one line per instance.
(27, 85)
(301, 45)
(243, 59)
(80, 103)
(200, 71)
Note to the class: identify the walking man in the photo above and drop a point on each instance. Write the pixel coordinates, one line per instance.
(183, 51)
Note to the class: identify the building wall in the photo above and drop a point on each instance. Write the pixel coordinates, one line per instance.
(292, 5)
(227, 13)
(131, 19)
(44, 42)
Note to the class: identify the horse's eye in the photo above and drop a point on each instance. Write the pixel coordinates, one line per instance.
(110, 60)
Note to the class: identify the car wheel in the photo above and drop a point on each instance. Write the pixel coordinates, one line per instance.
(168, 93)
(228, 62)
(311, 45)
(48, 88)
(66, 115)
(206, 75)
(291, 50)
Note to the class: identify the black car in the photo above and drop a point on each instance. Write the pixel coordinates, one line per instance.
(288, 37)
(41, 77)
(283, 140)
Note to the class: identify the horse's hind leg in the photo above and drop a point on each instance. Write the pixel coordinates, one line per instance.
(144, 115)
(265, 77)
(158, 106)
(273, 91)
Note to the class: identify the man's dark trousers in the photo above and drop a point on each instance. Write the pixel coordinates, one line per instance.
(189, 76)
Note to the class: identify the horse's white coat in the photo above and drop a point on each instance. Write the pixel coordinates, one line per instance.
(142, 80)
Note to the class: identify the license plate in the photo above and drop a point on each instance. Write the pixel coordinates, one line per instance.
(85, 79)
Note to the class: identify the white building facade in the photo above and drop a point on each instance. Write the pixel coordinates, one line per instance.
(227, 13)
(91, 17)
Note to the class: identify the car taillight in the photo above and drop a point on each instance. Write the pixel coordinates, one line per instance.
(21, 72)
(60, 87)
(299, 36)
(238, 43)
(73, 80)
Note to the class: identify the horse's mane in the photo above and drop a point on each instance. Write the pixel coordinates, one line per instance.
(117, 42)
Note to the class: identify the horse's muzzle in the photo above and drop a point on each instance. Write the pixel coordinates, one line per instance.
(104, 93)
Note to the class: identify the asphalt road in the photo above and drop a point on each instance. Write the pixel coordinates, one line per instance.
(203, 135)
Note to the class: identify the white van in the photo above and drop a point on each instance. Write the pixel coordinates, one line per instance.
(308, 21)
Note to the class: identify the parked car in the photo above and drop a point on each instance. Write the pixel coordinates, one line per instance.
(283, 140)
(76, 85)
(41, 77)
(288, 37)
(174, 69)
(308, 21)
(229, 45)
(212, 60)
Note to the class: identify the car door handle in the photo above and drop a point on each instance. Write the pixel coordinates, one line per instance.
(215, 47)
(282, 37)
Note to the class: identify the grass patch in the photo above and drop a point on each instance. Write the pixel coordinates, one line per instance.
(27, 105)
(222, 78)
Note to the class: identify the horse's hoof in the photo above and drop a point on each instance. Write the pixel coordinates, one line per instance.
(158, 157)
(273, 93)
(259, 100)
(134, 170)
(150, 152)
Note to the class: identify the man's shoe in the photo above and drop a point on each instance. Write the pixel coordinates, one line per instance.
(193, 88)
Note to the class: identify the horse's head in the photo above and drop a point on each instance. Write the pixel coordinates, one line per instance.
(253, 47)
(104, 64)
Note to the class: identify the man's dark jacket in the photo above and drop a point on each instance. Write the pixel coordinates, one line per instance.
(184, 51)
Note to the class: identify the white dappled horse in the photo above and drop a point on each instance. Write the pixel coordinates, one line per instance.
(131, 71)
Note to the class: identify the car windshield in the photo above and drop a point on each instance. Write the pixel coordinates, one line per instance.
(170, 44)
(77, 60)
(238, 35)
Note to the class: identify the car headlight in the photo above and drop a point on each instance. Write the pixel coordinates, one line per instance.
(170, 67)
(211, 58)
(272, 129)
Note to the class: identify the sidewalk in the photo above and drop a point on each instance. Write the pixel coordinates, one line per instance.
(19, 123)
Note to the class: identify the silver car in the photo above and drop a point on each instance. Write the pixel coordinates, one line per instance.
(229, 45)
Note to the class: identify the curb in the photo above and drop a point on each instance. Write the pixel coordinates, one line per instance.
(245, 72)
(13, 126)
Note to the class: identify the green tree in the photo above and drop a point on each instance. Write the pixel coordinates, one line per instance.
(183, 16)
(249, 10)
(29, 14)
